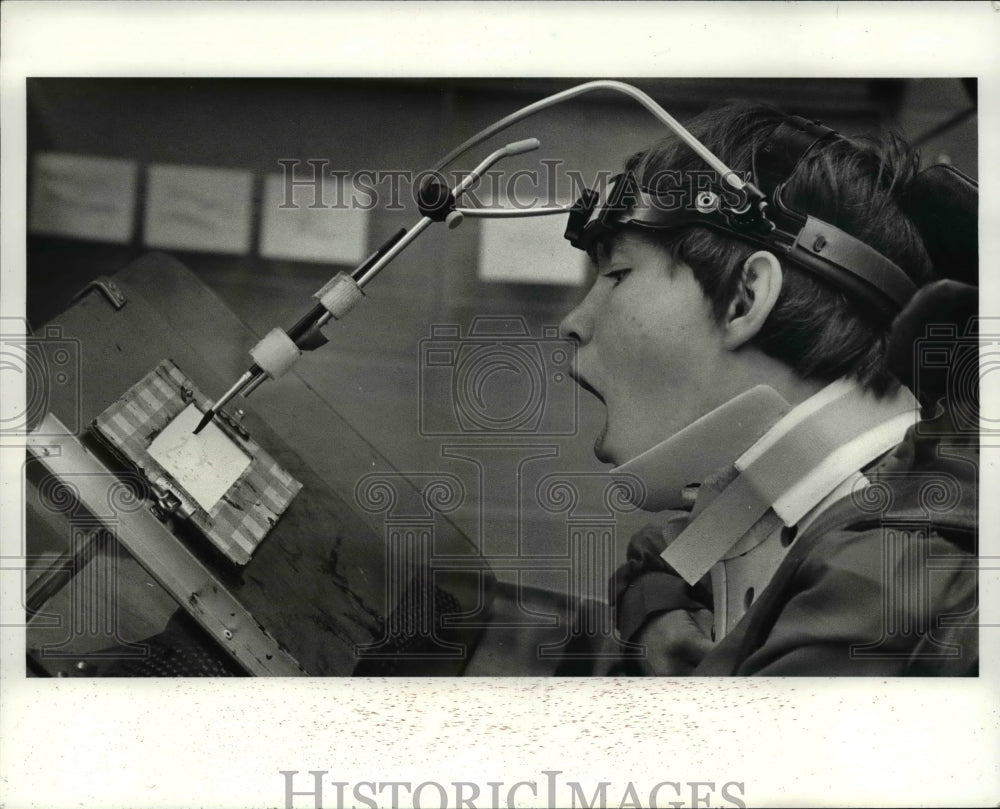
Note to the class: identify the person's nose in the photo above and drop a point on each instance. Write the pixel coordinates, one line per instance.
(578, 324)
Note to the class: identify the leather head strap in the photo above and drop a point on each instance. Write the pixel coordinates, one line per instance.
(791, 141)
(876, 283)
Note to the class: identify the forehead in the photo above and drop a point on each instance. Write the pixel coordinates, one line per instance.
(627, 245)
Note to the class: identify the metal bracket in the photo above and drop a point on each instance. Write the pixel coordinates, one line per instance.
(180, 573)
(110, 289)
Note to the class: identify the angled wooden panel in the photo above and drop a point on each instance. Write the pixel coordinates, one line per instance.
(318, 581)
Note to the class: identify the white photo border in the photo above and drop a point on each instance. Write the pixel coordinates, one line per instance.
(186, 743)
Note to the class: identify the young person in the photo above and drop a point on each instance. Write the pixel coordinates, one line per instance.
(742, 362)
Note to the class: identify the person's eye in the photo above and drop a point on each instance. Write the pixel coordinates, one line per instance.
(617, 276)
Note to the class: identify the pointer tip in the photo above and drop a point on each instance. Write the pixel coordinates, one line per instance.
(204, 421)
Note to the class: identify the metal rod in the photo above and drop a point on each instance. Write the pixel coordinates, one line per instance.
(512, 213)
(229, 394)
(616, 86)
(518, 147)
(256, 383)
(363, 275)
(316, 316)
(384, 248)
(397, 248)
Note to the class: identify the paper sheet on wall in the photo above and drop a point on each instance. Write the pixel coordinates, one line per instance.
(205, 465)
(529, 250)
(83, 197)
(326, 222)
(199, 208)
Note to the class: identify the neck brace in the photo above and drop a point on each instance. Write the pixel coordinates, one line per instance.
(788, 462)
(758, 429)
(703, 447)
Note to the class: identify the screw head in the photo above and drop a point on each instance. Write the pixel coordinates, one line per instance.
(706, 202)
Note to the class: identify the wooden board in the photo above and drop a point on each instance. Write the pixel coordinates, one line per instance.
(318, 581)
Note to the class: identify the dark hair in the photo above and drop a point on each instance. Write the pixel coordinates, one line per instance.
(851, 184)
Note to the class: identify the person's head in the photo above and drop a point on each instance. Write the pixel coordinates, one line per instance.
(679, 322)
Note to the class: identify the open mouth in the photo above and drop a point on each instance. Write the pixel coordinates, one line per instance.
(583, 383)
(599, 442)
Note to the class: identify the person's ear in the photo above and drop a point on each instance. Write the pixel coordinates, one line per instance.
(760, 284)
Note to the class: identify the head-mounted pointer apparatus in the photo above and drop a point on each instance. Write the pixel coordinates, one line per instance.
(941, 202)
(757, 215)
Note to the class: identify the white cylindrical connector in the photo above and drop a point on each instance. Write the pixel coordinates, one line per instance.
(522, 146)
(276, 353)
(339, 295)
